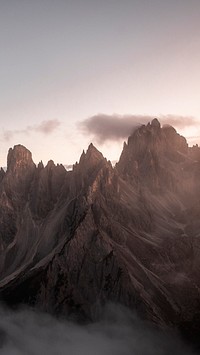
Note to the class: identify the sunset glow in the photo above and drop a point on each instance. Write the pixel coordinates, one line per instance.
(63, 62)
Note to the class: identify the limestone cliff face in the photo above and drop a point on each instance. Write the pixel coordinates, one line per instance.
(72, 240)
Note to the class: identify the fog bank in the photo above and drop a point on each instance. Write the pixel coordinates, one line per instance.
(119, 332)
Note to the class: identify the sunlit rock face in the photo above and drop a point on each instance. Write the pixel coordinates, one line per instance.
(72, 240)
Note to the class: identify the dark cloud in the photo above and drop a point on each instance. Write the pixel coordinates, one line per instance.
(114, 127)
(118, 332)
(110, 127)
(45, 127)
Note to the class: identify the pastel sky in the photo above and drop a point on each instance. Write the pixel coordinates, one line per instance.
(66, 66)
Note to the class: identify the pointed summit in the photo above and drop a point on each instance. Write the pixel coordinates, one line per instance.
(91, 146)
(155, 123)
(92, 157)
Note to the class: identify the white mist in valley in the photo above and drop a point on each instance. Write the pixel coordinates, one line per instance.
(119, 332)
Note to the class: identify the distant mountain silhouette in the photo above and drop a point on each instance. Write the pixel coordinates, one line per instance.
(72, 240)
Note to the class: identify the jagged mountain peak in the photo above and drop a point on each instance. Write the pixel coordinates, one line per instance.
(91, 146)
(154, 137)
(19, 157)
(94, 152)
(155, 123)
(92, 157)
(72, 241)
(151, 156)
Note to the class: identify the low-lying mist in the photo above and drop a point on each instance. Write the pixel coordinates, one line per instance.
(119, 332)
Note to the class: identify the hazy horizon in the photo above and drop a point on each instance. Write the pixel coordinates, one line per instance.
(103, 130)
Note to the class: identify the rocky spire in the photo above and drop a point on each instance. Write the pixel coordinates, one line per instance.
(150, 151)
(19, 158)
(91, 158)
(155, 123)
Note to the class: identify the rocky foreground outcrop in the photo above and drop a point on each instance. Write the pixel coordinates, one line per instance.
(72, 240)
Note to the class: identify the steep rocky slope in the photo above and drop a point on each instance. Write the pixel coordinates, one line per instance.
(72, 240)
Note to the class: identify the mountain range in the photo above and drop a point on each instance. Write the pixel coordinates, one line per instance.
(71, 241)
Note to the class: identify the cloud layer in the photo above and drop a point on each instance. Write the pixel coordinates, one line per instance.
(110, 127)
(45, 127)
(180, 122)
(114, 127)
(118, 332)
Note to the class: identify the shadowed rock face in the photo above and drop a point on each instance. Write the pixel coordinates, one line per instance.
(72, 240)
